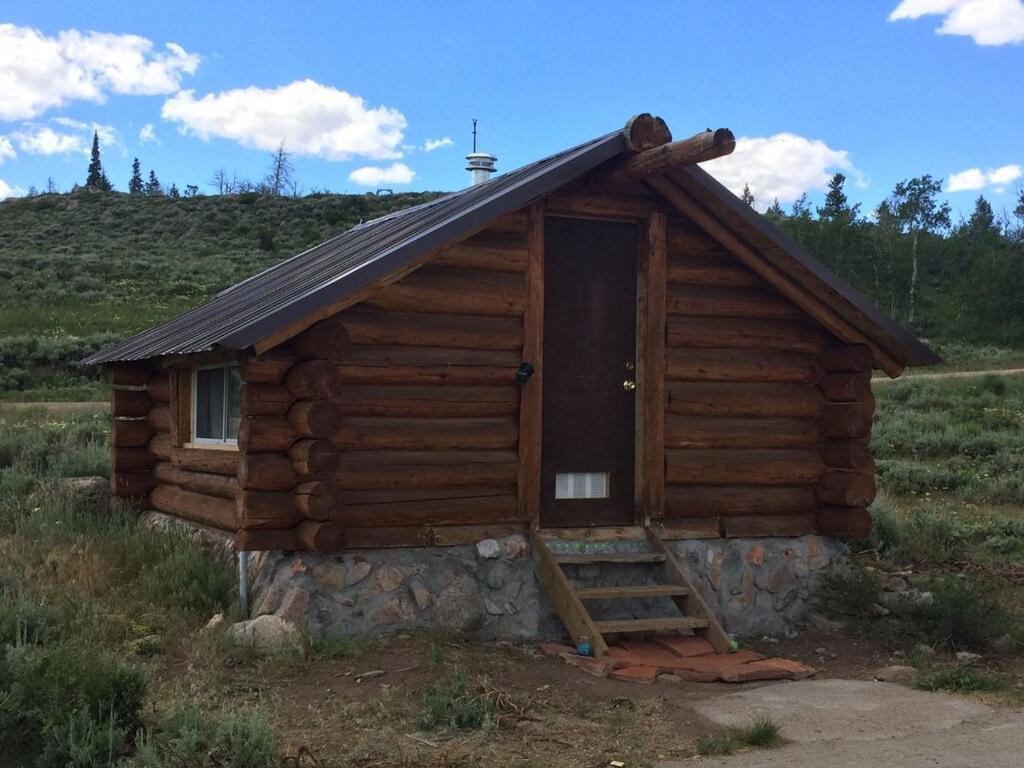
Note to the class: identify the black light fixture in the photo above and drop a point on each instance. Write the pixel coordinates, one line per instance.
(526, 370)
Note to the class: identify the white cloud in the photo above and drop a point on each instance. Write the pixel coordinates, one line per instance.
(6, 190)
(975, 178)
(6, 149)
(43, 140)
(431, 144)
(987, 22)
(38, 72)
(148, 133)
(107, 133)
(311, 119)
(782, 167)
(372, 176)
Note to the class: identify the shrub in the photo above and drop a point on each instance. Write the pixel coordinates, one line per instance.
(763, 732)
(453, 703)
(960, 614)
(851, 594)
(960, 679)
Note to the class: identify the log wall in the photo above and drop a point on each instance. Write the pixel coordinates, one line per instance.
(767, 415)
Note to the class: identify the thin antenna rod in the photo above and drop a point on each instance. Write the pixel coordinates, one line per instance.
(474, 134)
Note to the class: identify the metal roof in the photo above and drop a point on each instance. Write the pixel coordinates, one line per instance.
(254, 308)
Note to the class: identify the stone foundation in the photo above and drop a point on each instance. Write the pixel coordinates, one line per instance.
(755, 586)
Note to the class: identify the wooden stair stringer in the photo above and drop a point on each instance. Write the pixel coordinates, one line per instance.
(567, 603)
(690, 604)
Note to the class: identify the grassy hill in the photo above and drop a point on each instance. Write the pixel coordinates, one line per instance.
(80, 270)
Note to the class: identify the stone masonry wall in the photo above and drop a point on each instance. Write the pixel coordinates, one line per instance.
(490, 590)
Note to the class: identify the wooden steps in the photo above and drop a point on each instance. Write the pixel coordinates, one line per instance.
(650, 625)
(631, 593)
(671, 584)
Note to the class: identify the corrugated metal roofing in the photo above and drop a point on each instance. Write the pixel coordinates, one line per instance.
(253, 309)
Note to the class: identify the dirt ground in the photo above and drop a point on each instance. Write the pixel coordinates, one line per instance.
(330, 712)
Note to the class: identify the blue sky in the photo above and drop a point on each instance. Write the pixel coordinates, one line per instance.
(880, 90)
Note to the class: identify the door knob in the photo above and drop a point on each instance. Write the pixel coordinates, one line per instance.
(629, 385)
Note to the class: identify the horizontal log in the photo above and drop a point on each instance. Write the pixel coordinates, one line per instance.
(161, 446)
(847, 488)
(739, 365)
(209, 510)
(461, 511)
(129, 374)
(429, 400)
(456, 535)
(370, 459)
(491, 251)
(846, 387)
(132, 459)
(450, 291)
(588, 201)
(223, 486)
(313, 380)
(736, 432)
(326, 340)
(130, 433)
(131, 484)
(645, 131)
(750, 399)
(265, 434)
(375, 537)
(741, 333)
(265, 400)
(313, 457)
(704, 146)
(420, 476)
(685, 501)
(846, 358)
(159, 417)
(845, 454)
(158, 386)
(370, 327)
(266, 541)
(433, 356)
(795, 466)
(318, 500)
(316, 536)
(425, 434)
(730, 302)
(314, 418)
(420, 374)
(268, 368)
(714, 271)
(398, 495)
(266, 472)
(773, 525)
(267, 510)
(131, 403)
(214, 462)
(688, 242)
(841, 420)
(689, 528)
(844, 522)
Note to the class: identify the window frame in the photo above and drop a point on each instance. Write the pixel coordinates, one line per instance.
(226, 443)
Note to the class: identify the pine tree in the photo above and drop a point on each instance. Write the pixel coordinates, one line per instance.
(96, 178)
(173, 191)
(136, 186)
(747, 196)
(775, 212)
(836, 207)
(982, 218)
(153, 188)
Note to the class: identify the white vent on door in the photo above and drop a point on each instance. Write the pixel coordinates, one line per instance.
(581, 485)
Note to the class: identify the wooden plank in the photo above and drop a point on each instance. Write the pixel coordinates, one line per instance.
(473, 375)
(445, 290)
(688, 242)
(590, 203)
(741, 333)
(477, 510)
(431, 356)
(564, 599)
(688, 528)
(739, 432)
(374, 327)
(793, 466)
(480, 474)
(651, 365)
(704, 501)
(631, 593)
(633, 626)
(715, 301)
(491, 251)
(711, 270)
(746, 365)
(770, 525)
(396, 495)
(429, 400)
(530, 403)
(746, 399)
(371, 433)
(603, 533)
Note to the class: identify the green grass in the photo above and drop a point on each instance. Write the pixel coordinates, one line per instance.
(961, 679)
(453, 702)
(762, 733)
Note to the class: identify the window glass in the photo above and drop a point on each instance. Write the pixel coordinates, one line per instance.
(234, 394)
(210, 404)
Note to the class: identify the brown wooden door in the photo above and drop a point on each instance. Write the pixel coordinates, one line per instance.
(590, 277)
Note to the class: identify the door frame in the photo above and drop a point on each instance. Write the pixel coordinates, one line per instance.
(649, 452)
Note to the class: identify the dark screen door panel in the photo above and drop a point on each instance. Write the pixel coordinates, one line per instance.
(590, 276)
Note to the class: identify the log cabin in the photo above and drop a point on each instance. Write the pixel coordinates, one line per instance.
(605, 341)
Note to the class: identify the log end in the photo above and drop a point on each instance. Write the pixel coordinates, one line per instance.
(645, 131)
(845, 523)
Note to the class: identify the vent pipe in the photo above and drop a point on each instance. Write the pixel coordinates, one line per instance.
(479, 164)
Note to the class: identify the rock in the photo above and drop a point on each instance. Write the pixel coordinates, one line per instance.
(458, 605)
(299, 567)
(967, 658)
(497, 577)
(420, 595)
(878, 610)
(669, 679)
(791, 634)
(331, 574)
(493, 609)
(515, 546)
(265, 634)
(215, 623)
(387, 579)
(295, 607)
(360, 570)
(823, 623)
(488, 549)
(591, 666)
(555, 649)
(755, 555)
(924, 649)
(896, 673)
(397, 610)
(896, 584)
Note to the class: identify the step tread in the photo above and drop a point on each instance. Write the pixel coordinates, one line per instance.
(650, 625)
(583, 558)
(645, 590)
